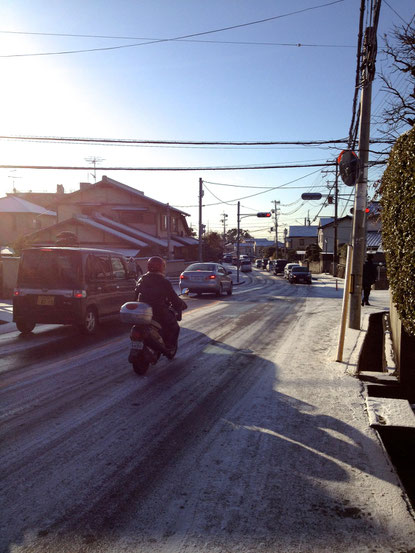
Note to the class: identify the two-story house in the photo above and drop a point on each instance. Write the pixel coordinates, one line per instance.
(110, 214)
(301, 236)
(326, 232)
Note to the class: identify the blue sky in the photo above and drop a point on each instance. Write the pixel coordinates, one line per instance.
(213, 87)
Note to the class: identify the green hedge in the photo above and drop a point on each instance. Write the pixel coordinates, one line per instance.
(398, 226)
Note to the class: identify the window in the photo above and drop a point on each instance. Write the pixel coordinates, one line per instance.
(97, 268)
(118, 268)
(301, 241)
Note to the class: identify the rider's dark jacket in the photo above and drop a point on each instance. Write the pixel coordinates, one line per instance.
(157, 291)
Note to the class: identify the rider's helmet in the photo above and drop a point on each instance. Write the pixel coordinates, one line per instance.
(156, 265)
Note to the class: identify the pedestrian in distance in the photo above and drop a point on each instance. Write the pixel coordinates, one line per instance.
(369, 278)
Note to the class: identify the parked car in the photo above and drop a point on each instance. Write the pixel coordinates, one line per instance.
(280, 266)
(288, 267)
(258, 263)
(245, 266)
(300, 274)
(203, 278)
(227, 259)
(62, 285)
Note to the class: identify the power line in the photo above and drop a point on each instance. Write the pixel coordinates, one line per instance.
(127, 141)
(158, 41)
(207, 168)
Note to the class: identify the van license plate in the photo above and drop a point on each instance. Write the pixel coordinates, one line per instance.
(46, 300)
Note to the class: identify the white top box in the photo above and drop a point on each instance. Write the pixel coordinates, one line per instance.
(134, 312)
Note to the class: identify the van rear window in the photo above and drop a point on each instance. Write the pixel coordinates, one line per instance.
(50, 269)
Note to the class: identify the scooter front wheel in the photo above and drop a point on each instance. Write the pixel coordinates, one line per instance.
(172, 352)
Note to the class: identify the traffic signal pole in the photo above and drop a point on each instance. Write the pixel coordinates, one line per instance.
(200, 256)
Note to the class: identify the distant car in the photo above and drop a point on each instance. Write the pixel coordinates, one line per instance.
(300, 274)
(227, 259)
(245, 266)
(288, 268)
(201, 278)
(280, 266)
(258, 263)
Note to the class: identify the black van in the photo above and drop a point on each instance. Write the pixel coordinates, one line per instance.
(76, 286)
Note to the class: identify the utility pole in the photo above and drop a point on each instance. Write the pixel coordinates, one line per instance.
(223, 220)
(275, 202)
(201, 193)
(238, 217)
(168, 232)
(359, 214)
(336, 199)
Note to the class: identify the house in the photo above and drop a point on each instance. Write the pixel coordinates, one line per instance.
(110, 214)
(345, 230)
(19, 217)
(48, 200)
(326, 232)
(301, 236)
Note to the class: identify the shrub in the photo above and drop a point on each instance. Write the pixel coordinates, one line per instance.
(398, 226)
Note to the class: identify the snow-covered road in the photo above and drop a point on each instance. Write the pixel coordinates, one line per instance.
(253, 439)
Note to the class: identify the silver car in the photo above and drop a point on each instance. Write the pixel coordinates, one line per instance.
(202, 278)
(288, 268)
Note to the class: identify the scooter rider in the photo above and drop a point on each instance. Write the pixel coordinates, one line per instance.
(154, 288)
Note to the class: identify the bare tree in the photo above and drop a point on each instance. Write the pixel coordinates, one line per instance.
(400, 104)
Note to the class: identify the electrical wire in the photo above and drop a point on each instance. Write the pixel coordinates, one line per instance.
(158, 41)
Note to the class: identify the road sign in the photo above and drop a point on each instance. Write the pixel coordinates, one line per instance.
(349, 167)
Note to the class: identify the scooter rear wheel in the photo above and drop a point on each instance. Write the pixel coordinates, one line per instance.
(140, 367)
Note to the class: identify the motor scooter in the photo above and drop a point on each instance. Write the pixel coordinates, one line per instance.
(147, 344)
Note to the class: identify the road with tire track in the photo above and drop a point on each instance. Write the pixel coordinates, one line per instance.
(245, 442)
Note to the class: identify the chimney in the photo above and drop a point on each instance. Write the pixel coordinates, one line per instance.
(60, 189)
(84, 185)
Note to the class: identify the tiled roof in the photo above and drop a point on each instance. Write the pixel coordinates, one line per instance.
(373, 239)
(303, 231)
(14, 204)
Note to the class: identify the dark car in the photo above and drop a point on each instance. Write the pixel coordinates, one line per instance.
(299, 274)
(227, 259)
(78, 286)
(280, 266)
(206, 277)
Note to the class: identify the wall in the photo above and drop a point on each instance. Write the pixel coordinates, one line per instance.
(404, 350)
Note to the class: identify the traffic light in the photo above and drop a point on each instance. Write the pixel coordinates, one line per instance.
(311, 196)
(264, 214)
(329, 199)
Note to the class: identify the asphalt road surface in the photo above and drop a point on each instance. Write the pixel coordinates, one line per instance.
(250, 440)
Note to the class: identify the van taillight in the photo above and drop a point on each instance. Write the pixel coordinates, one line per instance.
(79, 293)
(211, 277)
(16, 292)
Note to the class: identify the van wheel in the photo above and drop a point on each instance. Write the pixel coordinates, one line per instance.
(25, 326)
(90, 323)
(229, 292)
(220, 291)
